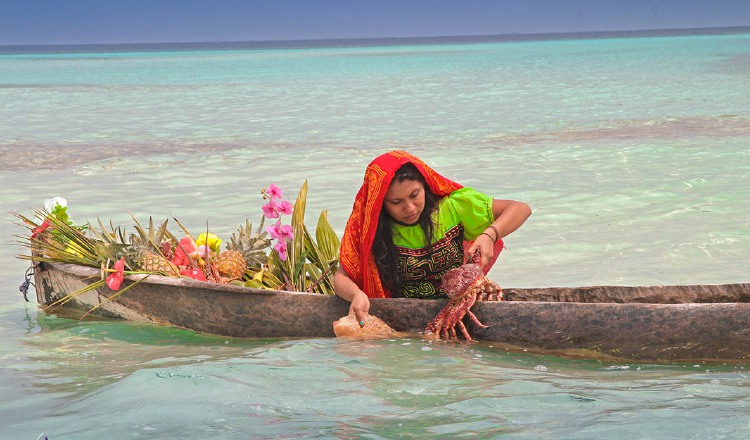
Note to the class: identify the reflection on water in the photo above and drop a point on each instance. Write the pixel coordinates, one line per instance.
(81, 357)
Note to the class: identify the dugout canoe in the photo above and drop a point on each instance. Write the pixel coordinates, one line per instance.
(646, 323)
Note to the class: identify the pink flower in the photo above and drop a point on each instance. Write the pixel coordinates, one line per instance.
(204, 251)
(274, 230)
(41, 228)
(274, 209)
(281, 232)
(269, 210)
(281, 249)
(286, 232)
(285, 207)
(273, 191)
(115, 279)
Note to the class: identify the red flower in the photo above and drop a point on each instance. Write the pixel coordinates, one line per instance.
(41, 228)
(115, 279)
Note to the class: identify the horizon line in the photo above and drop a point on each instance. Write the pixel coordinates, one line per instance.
(516, 36)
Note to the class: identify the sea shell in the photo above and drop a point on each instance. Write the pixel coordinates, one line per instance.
(374, 328)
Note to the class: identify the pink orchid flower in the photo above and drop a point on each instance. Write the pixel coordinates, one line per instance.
(281, 249)
(273, 191)
(115, 279)
(41, 228)
(286, 232)
(269, 210)
(274, 230)
(281, 232)
(285, 207)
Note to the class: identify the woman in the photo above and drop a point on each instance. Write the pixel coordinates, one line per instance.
(408, 227)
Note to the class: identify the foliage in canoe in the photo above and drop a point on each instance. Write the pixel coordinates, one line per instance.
(281, 256)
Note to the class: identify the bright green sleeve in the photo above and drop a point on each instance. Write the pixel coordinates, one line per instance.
(473, 209)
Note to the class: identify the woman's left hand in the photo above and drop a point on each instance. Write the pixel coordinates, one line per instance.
(486, 247)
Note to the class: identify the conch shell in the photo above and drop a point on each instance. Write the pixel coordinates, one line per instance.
(374, 328)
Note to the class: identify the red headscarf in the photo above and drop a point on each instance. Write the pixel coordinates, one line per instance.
(356, 245)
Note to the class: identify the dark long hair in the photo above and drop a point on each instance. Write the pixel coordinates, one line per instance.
(383, 249)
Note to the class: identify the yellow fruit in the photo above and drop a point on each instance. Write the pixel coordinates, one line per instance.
(231, 264)
(151, 262)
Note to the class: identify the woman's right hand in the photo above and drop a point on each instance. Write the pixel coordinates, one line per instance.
(360, 306)
(349, 291)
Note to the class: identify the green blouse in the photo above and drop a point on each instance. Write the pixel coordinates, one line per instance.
(461, 215)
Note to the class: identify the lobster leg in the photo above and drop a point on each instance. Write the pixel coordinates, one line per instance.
(464, 331)
(464, 286)
(436, 325)
(475, 320)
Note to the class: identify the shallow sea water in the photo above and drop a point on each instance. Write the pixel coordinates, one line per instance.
(121, 380)
(632, 153)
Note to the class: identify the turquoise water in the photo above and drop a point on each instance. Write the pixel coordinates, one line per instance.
(631, 151)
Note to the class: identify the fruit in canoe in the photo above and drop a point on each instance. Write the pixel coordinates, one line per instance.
(231, 264)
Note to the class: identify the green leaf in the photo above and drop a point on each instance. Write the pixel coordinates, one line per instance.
(298, 243)
(328, 241)
(254, 283)
(312, 249)
(299, 273)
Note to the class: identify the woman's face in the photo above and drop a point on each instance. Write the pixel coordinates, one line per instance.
(404, 201)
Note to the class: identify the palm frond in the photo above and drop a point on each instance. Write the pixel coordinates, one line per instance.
(328, 242)
(73, 295)
(184, 229)
(295, 254)
(112, 297)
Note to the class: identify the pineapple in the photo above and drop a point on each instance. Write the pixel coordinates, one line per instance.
(231, 264)
(152, 262)
(148, 245)
(251, 245)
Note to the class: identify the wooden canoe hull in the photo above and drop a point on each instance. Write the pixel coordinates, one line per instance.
(649, 323)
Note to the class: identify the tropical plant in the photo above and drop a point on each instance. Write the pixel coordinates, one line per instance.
(297, 261)
(57, 240)
(310, 262)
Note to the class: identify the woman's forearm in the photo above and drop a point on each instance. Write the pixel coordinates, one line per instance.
(344, 286)
(509, 216)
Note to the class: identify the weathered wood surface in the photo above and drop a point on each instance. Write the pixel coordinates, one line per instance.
(650, 323)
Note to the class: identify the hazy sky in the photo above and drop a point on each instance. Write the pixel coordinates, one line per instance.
(136, 21)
